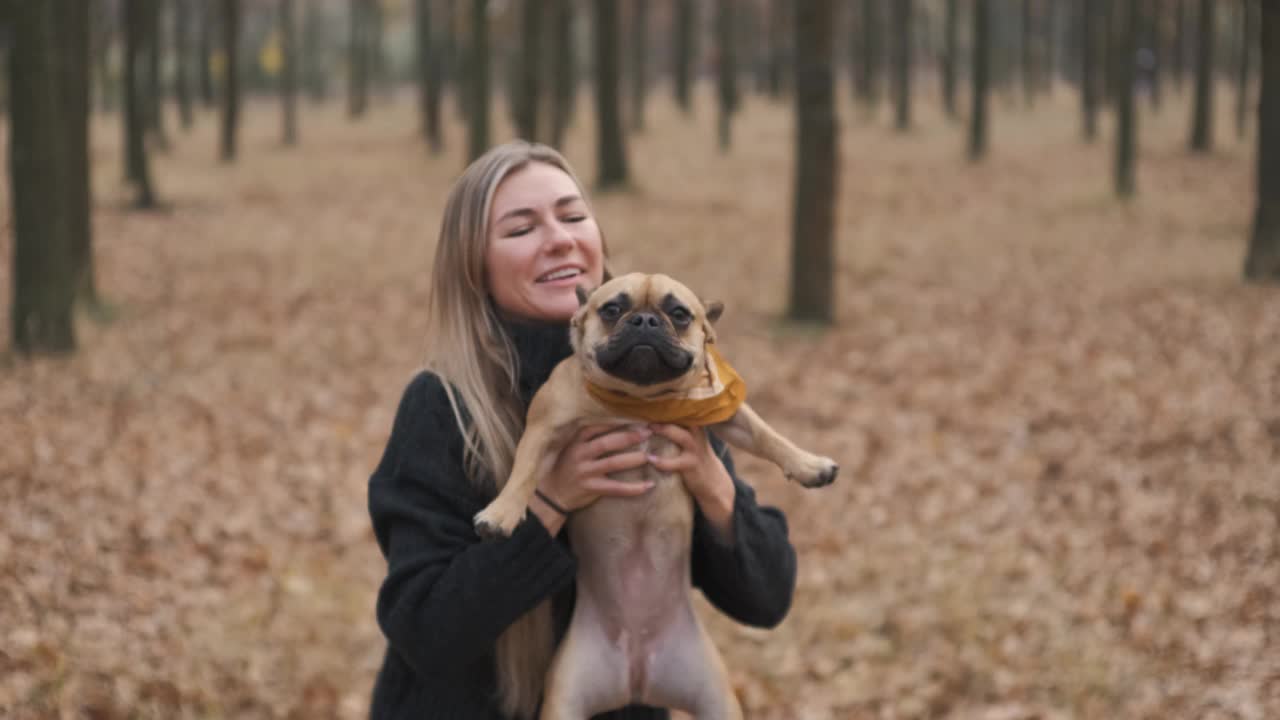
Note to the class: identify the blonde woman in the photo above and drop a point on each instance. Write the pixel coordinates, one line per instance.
(471, 625)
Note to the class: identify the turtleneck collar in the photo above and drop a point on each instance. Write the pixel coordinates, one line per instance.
(540, 346)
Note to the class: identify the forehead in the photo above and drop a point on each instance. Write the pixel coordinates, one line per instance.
(536, 186)
(642, 290)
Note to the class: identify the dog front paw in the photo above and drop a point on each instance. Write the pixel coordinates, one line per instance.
(814, 472)
(495, 522)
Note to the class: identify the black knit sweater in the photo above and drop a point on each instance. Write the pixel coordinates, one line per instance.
(448, 596)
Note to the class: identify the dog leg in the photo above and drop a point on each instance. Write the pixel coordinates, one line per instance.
(535, 456)
(687, 673)
(588, 674)
(749, 431)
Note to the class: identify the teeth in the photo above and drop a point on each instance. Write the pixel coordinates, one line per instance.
(560, 274)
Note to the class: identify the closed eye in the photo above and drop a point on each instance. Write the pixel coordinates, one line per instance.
(680, 315)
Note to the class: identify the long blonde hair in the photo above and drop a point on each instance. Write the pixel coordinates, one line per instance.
(475, 359)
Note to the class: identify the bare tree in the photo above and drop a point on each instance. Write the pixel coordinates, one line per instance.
(1090, 35)
(685, 22)
(230, 26)
(1248, 22)
(530, 72)
(565, 70)
(182, 54)
(611, 149)
(1202, 114)
(902, 10)
(950, 59)
(639, 61)
(1126, 118)
(817, 152)
(478, 81)
(289, 72)
(137, 169)
(428, 71)
(981, 85)
(1262, 264)
(358, 56)
(726, 69)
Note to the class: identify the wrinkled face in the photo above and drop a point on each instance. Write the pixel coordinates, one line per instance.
(543, 242)
(643, 330)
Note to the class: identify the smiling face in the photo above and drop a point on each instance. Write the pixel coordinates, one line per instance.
(543, 242)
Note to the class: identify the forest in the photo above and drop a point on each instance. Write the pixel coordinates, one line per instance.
(1012, 263)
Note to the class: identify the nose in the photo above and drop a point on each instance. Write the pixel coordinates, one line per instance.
(558, 239)
(645, 320)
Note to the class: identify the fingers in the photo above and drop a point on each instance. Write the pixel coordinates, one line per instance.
(616, 463)
(682, 436)
(606, 487)
(675, 463)
(612, 442)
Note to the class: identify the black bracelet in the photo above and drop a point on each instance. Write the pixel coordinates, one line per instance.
(552, 503)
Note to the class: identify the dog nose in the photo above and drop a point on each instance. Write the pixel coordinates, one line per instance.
(645, 319)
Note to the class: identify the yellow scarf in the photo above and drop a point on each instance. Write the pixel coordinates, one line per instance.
(699, 407)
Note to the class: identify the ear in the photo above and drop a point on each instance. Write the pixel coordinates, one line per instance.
(581, 292)
(714, 311)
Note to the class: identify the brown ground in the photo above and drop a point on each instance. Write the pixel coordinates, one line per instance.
(1058, 418)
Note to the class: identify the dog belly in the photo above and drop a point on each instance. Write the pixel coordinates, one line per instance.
(634, 632)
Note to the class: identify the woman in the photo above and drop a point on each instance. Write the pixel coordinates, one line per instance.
(471, 626)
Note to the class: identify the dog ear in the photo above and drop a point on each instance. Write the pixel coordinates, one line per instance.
(714, 311)
(581, 292)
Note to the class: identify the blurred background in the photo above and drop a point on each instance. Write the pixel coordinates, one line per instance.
(1011, 262)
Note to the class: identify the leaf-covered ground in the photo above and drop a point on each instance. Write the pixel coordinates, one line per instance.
(1058, 418)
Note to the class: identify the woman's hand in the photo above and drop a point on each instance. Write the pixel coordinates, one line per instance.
(704, 474)
(581, 473)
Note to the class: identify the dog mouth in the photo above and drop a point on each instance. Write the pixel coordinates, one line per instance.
(644, 361)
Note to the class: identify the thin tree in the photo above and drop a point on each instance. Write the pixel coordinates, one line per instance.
(137, 169)
(980, 72)
(104, 28)
(47, 252)
(565, 69)
(1202, 112)
(1154, 32)
(950, 59)
(314, 53)
(726, 70)
(1089, 74)
(872, 50)
(779, 11)
(182, 54)
(74, 42)
(639, 61)
(1247, 22)
(817, 152)
(478, 81)
(682, 68)
(1178, 57)
(611, 149)
(1028, 54)
(289, 72)
(155, 78)
(230, 26)
(358, 55)
(530, 91)
(1126, 117)
(209, 18)
(428, 71)
(1262, 263)
(902, 62)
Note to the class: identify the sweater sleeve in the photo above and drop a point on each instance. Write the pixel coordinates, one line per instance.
(447, 595)
(752, 579)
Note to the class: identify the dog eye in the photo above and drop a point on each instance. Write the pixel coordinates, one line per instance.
(610, 311)
(680, 315)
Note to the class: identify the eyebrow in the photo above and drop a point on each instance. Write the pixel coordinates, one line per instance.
(528, 212)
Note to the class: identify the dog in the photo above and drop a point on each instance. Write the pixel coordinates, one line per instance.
(640, 341)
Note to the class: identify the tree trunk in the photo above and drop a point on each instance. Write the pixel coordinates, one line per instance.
(1126, 117)
(1179, 54)
(478, 81)
(155, 76)
(314, 72)
(817, 153)
(428, 70)
(639, 61)
(530, 90)
(1262, 264)
(209, 16)
(610, 142)
(1247, 21)
(73, 19)
(1028, 55)
(1049, 68)
(726, 70)
(103, 27)
(46, 249)
(1153, 30)
(980, 72)
(685, 21)
(1089, 74)
(1202, 117)
(564, 65)
(950, 58)
(375, 47)
(231, 81)
(780, 14)
(289, 72)
(182, 52)
(872, 50)
(358, 58)
(138, 170)
(902, 62)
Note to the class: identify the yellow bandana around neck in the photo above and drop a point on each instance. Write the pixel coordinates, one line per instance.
(705, 405)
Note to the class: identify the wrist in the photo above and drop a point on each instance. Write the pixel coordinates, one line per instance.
(716, 503)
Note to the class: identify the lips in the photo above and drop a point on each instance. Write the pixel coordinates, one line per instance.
(561, 273)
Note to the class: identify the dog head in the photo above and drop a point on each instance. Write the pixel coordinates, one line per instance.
(643, 334)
